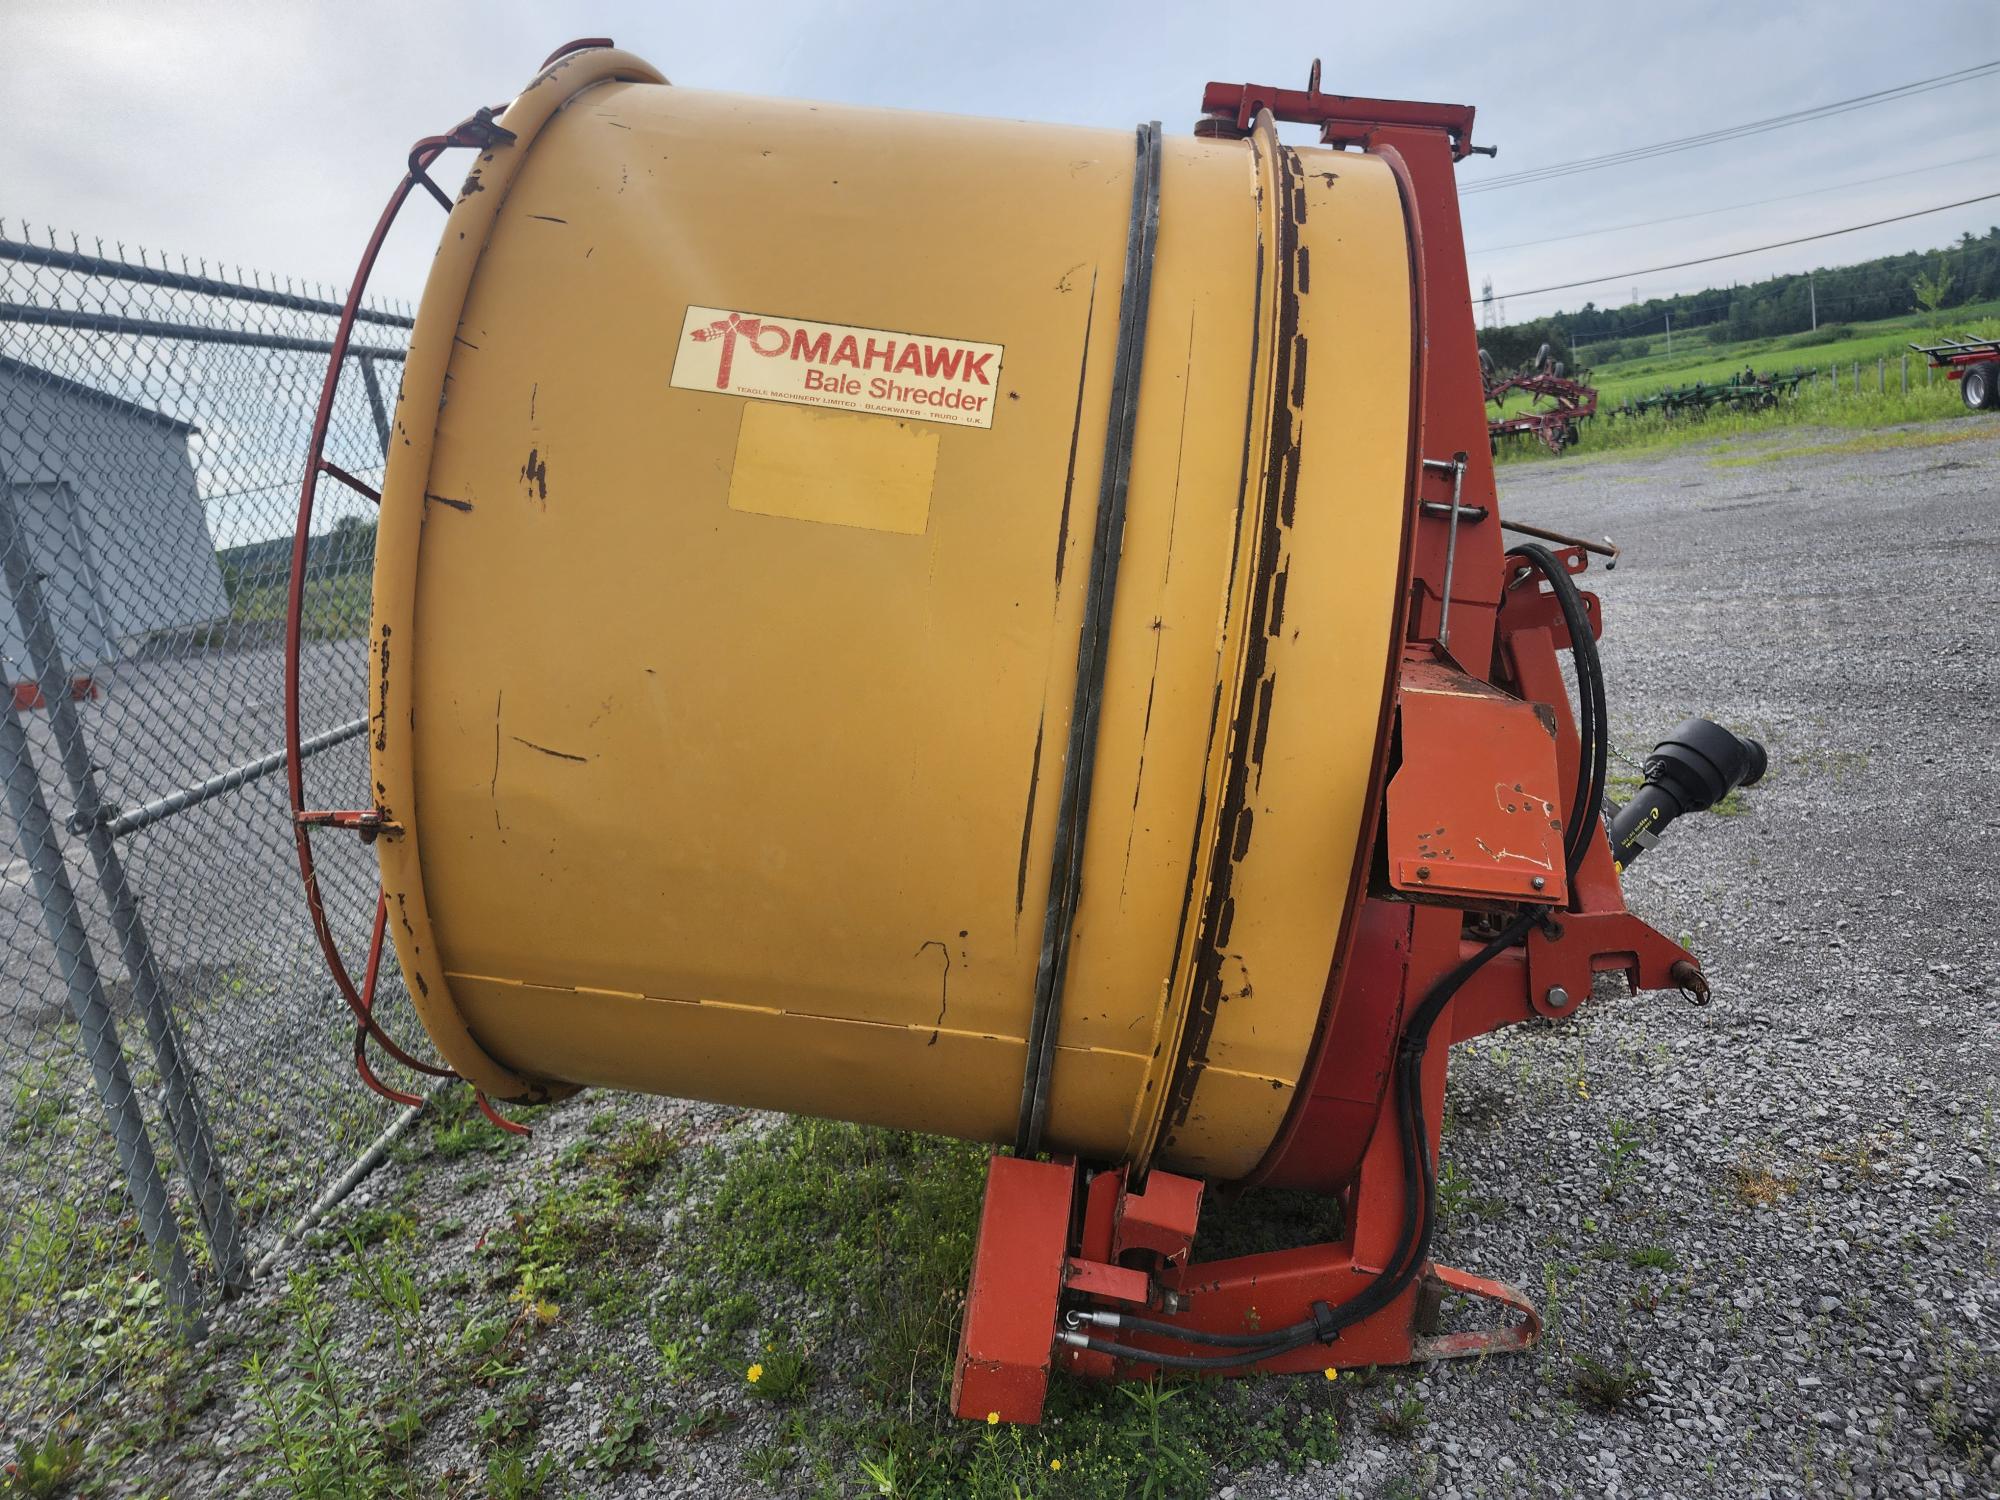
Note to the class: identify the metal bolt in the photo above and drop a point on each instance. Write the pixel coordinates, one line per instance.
(1538, 883)
(1423, 872)
(1557, 997)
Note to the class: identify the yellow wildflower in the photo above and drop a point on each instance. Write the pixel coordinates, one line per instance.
(993, 1419)
(755, 1372)
(1332, 1373)
(1055, 1463)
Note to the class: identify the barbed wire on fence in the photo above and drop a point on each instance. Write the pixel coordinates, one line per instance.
(174, 1088)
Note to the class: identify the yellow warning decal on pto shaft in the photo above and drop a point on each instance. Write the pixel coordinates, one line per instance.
(877, 370)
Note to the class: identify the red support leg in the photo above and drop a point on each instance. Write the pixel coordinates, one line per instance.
(1017, 1280)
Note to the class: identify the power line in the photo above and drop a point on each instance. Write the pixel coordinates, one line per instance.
(1730, 133)
(1733, 132)
(1703, 260)
(1581, 234)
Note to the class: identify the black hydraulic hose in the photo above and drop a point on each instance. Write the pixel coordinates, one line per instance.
(1412, 1243)
(1202, 1335)
(1199, 1361)
(1593, 716)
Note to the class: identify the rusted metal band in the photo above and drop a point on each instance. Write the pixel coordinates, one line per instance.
(1073, 809)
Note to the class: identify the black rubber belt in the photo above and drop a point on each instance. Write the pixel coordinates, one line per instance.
(1073, 810)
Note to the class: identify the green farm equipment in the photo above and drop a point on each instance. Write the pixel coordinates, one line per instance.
(1748, 391)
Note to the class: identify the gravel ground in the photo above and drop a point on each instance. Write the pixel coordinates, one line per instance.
(1764, 1234)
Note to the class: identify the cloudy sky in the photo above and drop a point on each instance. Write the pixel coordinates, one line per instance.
(268, 134)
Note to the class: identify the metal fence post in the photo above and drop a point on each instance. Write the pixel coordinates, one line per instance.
(376, 405)
(187, 1123)
(63, 923)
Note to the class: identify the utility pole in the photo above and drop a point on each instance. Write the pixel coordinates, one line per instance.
(1670, 335)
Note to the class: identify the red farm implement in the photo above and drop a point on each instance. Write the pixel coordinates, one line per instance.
(1554, 425)
(1973, 363)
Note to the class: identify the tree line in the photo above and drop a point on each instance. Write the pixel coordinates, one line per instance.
(1887, 287)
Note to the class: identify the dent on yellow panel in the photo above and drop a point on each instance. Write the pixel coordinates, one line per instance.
(836, 468)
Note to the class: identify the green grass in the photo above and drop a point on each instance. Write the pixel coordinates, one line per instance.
(1867, 442)
(1627, 436)
(828, 1259)
(578, 1237)
(44, 1469)
(805, 1237)
(335, 607)
(1816, 403)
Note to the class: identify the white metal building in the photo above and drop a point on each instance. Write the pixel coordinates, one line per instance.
(104, 492)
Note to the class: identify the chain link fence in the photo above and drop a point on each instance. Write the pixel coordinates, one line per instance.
(175, 1077)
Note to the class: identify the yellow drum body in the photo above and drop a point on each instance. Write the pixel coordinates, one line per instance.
(721, 716)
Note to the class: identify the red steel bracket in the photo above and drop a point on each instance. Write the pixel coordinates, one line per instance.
(1562, 966)
(1475, 807)
(28, 695)
(1506, 1338)
(1159, 1221)
(1090, 1278)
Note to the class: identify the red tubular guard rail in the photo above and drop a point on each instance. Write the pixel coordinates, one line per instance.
(478, 131)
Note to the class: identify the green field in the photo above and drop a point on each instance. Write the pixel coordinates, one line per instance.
(1695, 358)
(1843, 345)
(335, 606)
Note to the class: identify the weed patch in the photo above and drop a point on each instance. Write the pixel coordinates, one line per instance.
(45, 1468)
(1401, 1418)
(309, 1417)
(1609, 1387)
(1758, 1186)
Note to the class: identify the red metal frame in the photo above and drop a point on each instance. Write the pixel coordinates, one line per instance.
(1017, 1284)
(1344, 1136)
(1955, 356)
(1344, 119)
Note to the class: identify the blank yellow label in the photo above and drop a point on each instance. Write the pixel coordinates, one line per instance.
(837, 468)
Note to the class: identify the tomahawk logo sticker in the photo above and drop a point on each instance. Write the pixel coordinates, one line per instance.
(919, 376)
